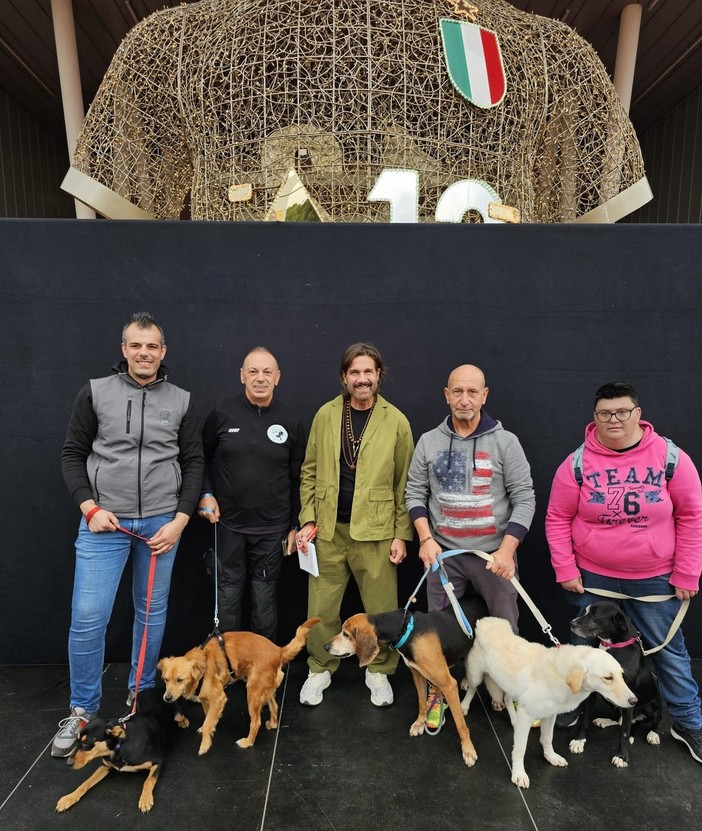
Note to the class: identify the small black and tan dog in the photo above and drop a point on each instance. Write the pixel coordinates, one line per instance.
(429, 643)
(606, 621)
(137, 744)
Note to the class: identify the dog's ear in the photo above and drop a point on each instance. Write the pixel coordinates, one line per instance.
(116, 731)
(576, 676)
(366, 645)
(198, 665)
(620, 620)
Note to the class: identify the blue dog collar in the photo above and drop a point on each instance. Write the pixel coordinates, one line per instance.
(406, 633)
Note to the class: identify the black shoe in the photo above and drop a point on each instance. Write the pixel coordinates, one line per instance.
(565, 720)
(691, 738)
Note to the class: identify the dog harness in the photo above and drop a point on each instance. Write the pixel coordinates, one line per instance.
(215, 633)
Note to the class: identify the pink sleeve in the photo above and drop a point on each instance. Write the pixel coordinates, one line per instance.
(562, 508)
(686, 497)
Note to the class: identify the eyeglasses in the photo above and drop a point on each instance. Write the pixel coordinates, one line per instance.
(605, 416)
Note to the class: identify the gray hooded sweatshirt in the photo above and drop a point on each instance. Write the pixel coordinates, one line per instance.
(475, 489)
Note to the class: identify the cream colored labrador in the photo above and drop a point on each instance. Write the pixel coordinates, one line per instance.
(545, 681)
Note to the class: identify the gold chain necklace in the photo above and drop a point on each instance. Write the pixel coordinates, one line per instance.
(350, 445)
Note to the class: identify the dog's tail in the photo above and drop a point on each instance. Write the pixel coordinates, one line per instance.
(289, 651)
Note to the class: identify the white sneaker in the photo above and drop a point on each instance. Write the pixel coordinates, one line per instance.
(381, 691)
(312, 690)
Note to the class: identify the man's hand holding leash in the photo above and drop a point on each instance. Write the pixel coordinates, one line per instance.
(208, 508)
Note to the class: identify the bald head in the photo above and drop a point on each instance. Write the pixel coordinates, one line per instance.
(260, 375)
(468, 373)
(465, 394)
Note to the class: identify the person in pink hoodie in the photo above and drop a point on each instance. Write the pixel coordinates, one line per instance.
(616, 520)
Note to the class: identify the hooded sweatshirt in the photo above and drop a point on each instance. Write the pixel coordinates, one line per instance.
(473, 489)
(626, 521)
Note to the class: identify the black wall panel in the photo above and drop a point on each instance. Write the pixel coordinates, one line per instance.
(549, 312)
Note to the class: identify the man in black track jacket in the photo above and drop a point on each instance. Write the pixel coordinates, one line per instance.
(254, 447)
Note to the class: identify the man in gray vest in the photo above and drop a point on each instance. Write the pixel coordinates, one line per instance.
(133, 464)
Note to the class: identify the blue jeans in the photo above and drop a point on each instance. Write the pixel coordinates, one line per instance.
(100, 561)
(653, 620)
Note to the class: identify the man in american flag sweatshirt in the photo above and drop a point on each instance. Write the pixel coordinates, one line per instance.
(469, 486)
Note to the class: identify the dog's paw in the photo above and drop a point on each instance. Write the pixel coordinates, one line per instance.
(245, 742)
(271, 724)
(205, 745)
(464, 683)
(652, 737)
(520, 778)
(146, 802)
(555, 760)
(577, 745)
(417, 728)
(183, 723)
(619, 761)
(65, 803)
(605, 722)
(498, 706)
(470, 757)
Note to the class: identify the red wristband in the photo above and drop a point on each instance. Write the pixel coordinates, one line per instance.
(91, 513)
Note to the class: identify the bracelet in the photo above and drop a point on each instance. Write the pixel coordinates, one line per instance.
(206, 510)
(202, 496)
(426, 539)
(91, 513)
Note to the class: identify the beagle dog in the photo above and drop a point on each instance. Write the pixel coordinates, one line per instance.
(429, 643)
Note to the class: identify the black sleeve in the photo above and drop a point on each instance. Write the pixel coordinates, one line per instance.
(210, 440)
(77, 446)
(191, 461)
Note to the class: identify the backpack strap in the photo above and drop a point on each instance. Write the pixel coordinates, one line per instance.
(578, 465)
(672, 457)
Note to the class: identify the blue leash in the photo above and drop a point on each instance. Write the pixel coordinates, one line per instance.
(438, 565)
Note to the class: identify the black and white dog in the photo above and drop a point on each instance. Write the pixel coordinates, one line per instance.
(606, 621)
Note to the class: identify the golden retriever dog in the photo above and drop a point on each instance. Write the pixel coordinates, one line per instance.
(203, 673)
(544, 681)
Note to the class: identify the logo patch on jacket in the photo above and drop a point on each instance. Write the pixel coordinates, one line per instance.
(277, 433)
(165, 415)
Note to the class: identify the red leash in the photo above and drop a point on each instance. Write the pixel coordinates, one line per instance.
(142, 650)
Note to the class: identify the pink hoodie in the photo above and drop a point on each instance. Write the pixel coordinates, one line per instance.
(626, 520)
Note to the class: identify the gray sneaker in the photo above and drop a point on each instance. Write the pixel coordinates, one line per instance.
(130, 698)
(66, 740)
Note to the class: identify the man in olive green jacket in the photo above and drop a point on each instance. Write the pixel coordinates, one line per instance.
(353, 490)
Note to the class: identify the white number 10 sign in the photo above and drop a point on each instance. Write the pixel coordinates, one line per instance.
(401, 189)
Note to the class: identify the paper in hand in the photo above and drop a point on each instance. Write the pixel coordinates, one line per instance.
(308, 561)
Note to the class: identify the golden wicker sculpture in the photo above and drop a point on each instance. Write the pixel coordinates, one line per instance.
(211, 97)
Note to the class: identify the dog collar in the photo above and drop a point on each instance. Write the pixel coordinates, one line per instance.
(609, 645)
(406, 633)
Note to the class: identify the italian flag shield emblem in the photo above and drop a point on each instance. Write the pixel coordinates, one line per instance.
(474, 62)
